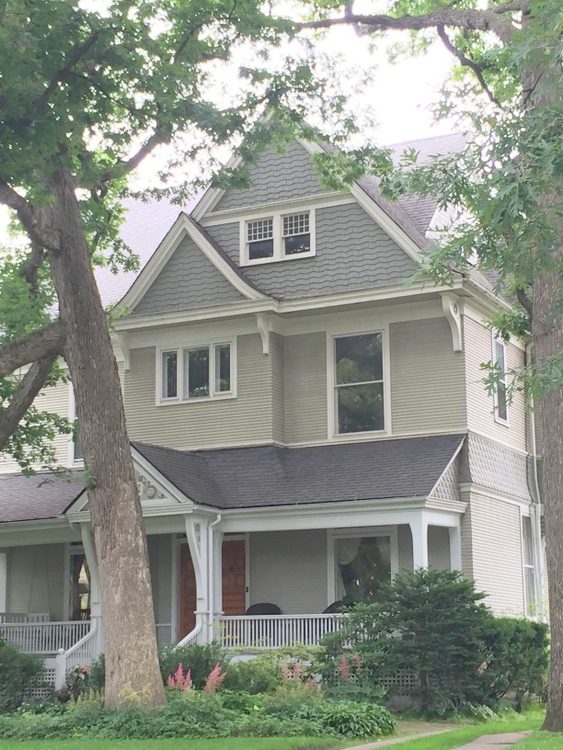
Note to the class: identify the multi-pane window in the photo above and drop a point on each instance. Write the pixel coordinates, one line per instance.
(278, 237)
(260, 238)
(79, 585)
(296, 234)
(197, 372)
(501, 404)
(358, 383)
(528, 562)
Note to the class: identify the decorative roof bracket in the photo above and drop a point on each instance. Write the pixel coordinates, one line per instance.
(264, 323)
(451, 307)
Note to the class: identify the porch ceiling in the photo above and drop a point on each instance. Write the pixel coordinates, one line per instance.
(276, 476)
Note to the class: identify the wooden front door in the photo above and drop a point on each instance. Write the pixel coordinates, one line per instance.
(234, 577)
(234, 583)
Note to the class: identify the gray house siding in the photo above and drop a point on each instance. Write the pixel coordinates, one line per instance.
(277, 353)
(352, 252)
(187, 281)
(497, 554)
(305, 388)
(276, 177)
(36, 576)
(427, 383)
(480, 414)
(497, 467)
(160, 559)
(243, 420)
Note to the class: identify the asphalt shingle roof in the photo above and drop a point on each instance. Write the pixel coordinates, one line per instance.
(275, 476)
(38, 497)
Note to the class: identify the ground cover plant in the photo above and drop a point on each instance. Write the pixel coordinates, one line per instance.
(228, 743)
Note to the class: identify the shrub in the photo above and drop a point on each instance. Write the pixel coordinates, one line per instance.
(430, 623)
(200, 660)
(518, 659)
(259, 675)
(17, 670)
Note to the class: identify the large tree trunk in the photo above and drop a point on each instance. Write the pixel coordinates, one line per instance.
(547, 334)
(131, 658)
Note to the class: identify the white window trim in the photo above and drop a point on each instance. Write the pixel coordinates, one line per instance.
(391, 532)
(528, 566)
(278, 254)
(333, 433)
(160, 400)
(72, 461)
(498, 419)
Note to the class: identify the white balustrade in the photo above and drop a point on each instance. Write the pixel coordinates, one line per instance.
(44, 637)
(275, 631)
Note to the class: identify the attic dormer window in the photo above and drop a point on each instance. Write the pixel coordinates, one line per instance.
(280, 236)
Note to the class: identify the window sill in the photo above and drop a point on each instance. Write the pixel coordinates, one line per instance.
(357, 436)
(206, 400)
(502, 422)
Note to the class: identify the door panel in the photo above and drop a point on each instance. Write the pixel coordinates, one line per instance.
(234, 583)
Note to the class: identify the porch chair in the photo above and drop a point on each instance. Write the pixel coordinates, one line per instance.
(263, 608)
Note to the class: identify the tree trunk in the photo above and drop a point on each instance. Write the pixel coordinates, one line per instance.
(547, 334)
(131, 657)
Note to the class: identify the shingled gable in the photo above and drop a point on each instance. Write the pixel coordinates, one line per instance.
(200, 273)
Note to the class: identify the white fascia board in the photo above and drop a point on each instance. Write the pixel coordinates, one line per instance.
(269, 304)
(181, 228)
(27, 533)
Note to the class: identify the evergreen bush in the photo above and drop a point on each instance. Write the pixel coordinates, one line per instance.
(17, 671)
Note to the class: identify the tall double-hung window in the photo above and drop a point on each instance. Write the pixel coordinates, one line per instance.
(359, 383)
(198, 372)
(500, 392)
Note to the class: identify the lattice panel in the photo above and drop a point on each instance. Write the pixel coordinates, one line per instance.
(43, 688)
(403, 683)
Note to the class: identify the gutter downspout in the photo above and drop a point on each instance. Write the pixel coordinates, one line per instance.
(536, 510)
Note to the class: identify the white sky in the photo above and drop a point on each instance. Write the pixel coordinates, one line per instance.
(397, 96)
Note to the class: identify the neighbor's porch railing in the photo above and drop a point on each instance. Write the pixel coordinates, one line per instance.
(275, 631)
(44, 637)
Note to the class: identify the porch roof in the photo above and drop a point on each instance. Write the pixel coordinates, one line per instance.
(275, 476)
(38, 497)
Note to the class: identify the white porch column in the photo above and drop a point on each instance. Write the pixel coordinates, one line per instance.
(3, 581)
(197, 534)
(419, 530)
(455, 547)
(95, 601)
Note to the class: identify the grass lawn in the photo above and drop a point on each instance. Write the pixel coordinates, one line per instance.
(224, 743)
(456, 737)
(541, 741)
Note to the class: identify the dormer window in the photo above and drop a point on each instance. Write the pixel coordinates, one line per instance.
(279, 236)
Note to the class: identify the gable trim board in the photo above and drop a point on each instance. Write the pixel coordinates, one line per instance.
(182, 227)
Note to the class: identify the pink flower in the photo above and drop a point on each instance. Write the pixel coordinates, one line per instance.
(214, 679)
(179, 680)
(344, 668)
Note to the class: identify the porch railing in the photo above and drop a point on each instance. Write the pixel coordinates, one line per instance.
(44, 637)
(275, 631)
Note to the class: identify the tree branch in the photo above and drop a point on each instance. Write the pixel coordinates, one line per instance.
(28, 217)
(525, 301)
(473, 20)
(27, 390)
(35, 345)
(161, 134)
(32, 266)
(467, 62)
(59, 77)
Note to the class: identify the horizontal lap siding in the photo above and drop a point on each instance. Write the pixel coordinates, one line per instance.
(277, 351)
(480, 416)
(497, 553)
(427, 384)
(245, 419)
(36, 577)
(305, 388)
(289, 568)
(54, 399)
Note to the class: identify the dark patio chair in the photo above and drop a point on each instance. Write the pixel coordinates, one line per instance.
(335, 607)
(264, 608)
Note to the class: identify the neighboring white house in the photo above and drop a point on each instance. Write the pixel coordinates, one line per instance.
(306, 419)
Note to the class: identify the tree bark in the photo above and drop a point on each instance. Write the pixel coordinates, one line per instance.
(30, 348)
(131, 657)
(25, 394)
(547, 335)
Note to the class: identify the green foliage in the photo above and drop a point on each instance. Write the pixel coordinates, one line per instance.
(261, 674)
(200, 660)
(348, 719)
(518, 659)
(17, 671)
(430, 623)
